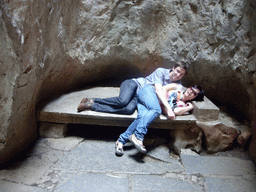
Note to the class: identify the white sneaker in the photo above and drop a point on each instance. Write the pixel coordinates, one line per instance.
(137, 144)
(119, 149)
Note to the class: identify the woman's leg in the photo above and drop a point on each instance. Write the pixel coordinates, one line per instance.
(127, 110)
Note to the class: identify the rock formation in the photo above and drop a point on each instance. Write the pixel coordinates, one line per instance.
(50, 47)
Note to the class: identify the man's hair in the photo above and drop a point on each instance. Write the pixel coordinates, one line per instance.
(200, 96)
(183, 65)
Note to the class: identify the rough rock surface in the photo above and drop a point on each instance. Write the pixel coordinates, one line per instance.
(49, 47)
(188, 138)
(218, 137)
(225, 133)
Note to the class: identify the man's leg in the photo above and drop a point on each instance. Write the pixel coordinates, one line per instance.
(124, 137)
(148, 110)
(148, 104)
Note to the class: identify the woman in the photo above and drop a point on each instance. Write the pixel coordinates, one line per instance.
(176, 97)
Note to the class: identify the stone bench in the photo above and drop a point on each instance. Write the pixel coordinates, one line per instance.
(54, 115)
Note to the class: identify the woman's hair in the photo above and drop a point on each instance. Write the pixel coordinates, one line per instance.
(200, 96)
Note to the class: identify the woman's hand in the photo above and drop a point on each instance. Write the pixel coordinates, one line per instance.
(183, 110)
(189, 105)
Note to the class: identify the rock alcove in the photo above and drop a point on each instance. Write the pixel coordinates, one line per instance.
(50, 47)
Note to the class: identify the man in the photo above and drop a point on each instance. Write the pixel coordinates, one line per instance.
(149, 93)
(126, 102)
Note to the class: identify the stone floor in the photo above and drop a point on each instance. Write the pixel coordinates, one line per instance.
(85, 161)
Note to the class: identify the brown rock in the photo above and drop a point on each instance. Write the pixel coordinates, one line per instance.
(245, 132)
(218, 137)
(187, 137)
(243, 139)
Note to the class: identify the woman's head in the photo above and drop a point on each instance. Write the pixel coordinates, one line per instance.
(194, 93)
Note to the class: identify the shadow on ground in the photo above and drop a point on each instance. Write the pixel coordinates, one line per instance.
(153, 139)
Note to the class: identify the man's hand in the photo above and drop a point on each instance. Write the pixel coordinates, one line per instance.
(161, 93)
(170, 114)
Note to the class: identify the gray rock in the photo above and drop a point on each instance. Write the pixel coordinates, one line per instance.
(10, 186)
(158, 183)
(95, 182)
(227, 166)
(92, 152)
(229, 184)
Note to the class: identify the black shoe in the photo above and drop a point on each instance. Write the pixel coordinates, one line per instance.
(85, 104)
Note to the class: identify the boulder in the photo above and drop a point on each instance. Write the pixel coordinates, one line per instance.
(225, 133)
(240, 124)
(188, 137)
(218, 137)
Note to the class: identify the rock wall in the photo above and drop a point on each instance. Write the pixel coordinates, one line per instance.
(49, 47)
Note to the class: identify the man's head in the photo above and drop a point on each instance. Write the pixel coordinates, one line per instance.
(178, 71)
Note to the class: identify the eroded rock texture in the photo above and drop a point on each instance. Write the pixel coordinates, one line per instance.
(48, 47)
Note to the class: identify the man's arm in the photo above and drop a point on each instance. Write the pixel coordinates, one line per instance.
(161, 93)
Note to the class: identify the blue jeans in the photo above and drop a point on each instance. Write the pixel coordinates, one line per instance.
(148, 110)
(125, 103)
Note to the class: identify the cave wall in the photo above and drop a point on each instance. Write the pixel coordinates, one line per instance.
(49, 47)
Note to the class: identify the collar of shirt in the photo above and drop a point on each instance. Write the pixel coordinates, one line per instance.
(167, 76)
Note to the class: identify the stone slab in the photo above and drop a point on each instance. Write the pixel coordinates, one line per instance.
(206, 110)
(81, 164)
(52, 130)
(209, 165)
(102, 182)
(33, 167)
(161, 152)
(161, 183)
(99, 156)
(64, 144)
(14, 187)
(64, 110)
(230, 184)
(91, 182)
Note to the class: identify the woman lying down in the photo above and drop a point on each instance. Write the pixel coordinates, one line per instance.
(180, 97)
